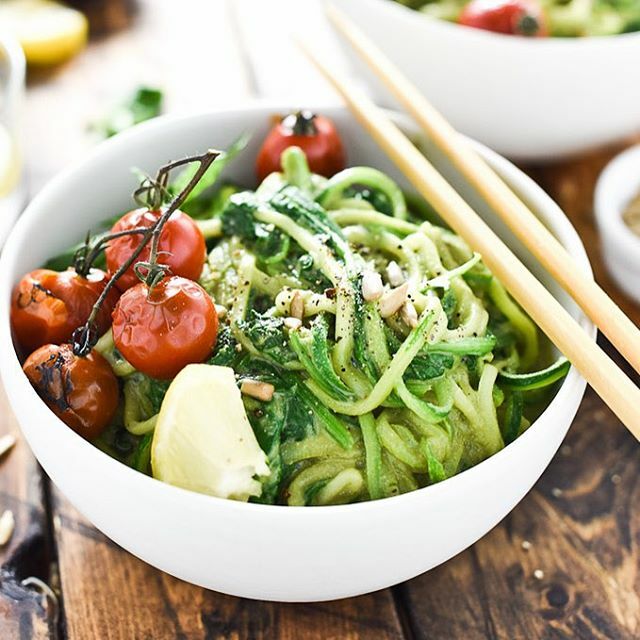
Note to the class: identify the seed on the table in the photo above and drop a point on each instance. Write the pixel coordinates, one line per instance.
(615, 478)
(394, 274)
(556, 492)
(392, 300)
(371, 286)
(296, 307)
(257, 389)
(538, 574)
(7, 525)
(526, 545)
(292, 323)
(6, 442)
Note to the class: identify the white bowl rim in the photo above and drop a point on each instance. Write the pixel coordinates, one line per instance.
(607, 207)
(573, 383)
(522, 41)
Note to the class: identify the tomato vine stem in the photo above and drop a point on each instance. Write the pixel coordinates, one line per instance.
(155, 190)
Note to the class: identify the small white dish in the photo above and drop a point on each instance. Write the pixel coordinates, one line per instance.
(618, 184)
(527, 98)
(254, 550)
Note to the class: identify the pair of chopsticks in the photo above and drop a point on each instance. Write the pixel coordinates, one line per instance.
(609, 381)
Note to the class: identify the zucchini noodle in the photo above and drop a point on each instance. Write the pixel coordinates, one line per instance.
(390, 358)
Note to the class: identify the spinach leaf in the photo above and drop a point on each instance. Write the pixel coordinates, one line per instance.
(312, 348)
(449, 304)
(144, 104)
(428, 366)
(142, 457)
(300, 422)
(225, 353)
(147, 393)
(268, 336)
(297, 205)
(268, 421)
(378, 200)
(238, 216)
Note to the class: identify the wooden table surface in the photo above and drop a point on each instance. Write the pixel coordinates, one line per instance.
(578, 576)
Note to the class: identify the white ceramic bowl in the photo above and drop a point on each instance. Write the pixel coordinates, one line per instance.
(251, 550)
(617, 186)
(526, 98)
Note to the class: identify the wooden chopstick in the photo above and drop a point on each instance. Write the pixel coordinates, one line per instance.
(596, 304)
(610, 382)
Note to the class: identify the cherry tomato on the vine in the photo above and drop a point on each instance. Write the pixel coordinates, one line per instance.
(315, 135)
(163, 330)
(181, 247)
(511, 17)
(47, 306)
(81, 390)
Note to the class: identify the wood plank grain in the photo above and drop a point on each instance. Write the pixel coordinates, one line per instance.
(111, 595)
(580, 577)
(24, 613)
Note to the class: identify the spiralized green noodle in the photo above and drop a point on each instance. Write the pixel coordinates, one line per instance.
(395, 359)
(403, 403)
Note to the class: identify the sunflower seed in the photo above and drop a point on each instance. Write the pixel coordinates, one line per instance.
(394, 274)
(409, 314)
(371, 286)
(6, 442)
(296, 307)
(392, 301)
(7, 525)
(257, 389)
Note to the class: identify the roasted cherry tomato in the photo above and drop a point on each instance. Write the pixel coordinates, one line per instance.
(47, 306)
(512, 17)
(163, 330)
(315, 135)
(182, 247)
(81, 391)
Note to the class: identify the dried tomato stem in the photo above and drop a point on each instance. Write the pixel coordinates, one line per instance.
(84, 337)
(84, 263)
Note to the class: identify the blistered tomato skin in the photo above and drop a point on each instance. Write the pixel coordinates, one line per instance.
(316, 135)
(81, 391)
(162, 332)
(510, 17)
(181, 247)
(47, 306)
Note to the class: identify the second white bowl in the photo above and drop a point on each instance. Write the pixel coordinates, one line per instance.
(526, 98)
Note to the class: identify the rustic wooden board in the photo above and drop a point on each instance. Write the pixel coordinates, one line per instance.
(111, 595)
(24, 613)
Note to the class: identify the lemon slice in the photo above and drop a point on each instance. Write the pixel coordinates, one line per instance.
(9, 164)
(203, 440)
(49, 32)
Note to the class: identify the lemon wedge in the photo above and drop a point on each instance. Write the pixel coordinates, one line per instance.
(203, 440)
(9, 163)
(49, 32)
